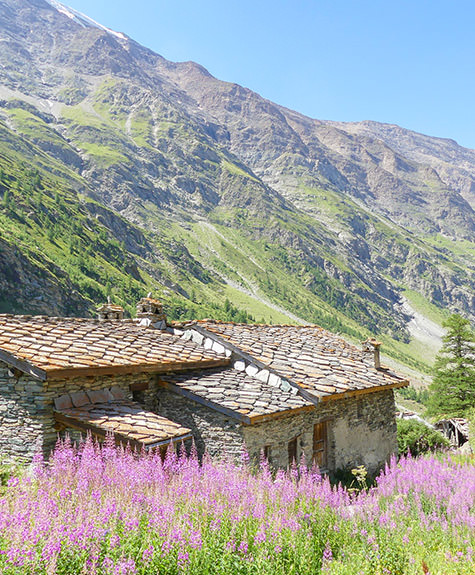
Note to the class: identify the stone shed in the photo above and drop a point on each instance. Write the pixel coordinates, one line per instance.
(284, 390)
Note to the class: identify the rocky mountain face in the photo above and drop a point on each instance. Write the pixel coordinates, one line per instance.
(125, 172)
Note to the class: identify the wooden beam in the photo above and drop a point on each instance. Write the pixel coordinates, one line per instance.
(71, 372)
(165, 442)
(139, 386)
(355, 392)
(271, 416)
(22, 365)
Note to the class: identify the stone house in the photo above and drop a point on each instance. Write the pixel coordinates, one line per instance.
(286, 390)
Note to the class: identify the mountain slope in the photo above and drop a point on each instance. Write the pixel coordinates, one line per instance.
(207, 192)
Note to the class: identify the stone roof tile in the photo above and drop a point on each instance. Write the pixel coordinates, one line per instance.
(57, 347)
(319, 361)
(129, 422)
(236, 390)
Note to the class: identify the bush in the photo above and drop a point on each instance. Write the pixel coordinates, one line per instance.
(419, 395)
(416, 437)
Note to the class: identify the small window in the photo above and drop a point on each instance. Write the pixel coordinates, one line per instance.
(267, 452)
(138, 395)
(359, 409)
(292, 447)
(320, 444)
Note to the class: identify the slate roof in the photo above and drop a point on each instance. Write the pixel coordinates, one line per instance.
(107, 411)
(235, 393)
(53, 348)
(320, 362)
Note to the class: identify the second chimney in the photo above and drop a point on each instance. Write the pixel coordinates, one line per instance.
(373, 345)
(150, 312)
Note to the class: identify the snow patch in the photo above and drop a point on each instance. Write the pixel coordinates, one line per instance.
(82, 19)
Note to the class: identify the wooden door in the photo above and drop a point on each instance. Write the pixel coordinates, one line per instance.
(320, 444)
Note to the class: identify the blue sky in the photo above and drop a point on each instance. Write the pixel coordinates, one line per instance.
(410, 63)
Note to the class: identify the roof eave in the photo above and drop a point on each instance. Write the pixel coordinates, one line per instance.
(202, 401)
(238, 352)
(56, 374)
(235, 414)
(97, 430)
(364, 391)
(23, 365)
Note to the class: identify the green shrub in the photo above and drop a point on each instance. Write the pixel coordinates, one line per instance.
(416, 437)
(419, 395)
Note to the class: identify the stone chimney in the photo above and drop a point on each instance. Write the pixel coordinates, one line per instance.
(110, 311)
(150, 312)
(372, 345)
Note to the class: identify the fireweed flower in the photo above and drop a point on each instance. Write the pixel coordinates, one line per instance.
(107, 509)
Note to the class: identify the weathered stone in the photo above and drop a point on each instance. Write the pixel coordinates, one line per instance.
(252, 370)
(79, 398)
(361, 430)
(285, 385)
(263, 375)
(274, 380)
(217, 347)
(63, 402)
(197, 337)
(100, 395)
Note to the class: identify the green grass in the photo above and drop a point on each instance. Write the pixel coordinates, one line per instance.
(259, 310)
(291, 258)
(80, 116)
(104, 155)
(237, 170)
(426, 308)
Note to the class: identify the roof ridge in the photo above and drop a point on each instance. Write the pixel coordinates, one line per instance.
(225, 322)
(56, 319)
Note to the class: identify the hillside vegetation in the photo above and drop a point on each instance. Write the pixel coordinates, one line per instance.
(124, 173)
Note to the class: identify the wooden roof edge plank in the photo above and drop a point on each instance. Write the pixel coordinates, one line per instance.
(276, 414)
(55, 374)
(174, 439)
(22, 365)
(206, 402)
(75, 423)
(366, 390)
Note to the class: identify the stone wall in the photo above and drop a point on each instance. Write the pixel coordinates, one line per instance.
(361, 430)
(23, 416)
(217, 432)
(26, 409)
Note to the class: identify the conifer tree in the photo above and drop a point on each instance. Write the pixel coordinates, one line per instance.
(452, 391)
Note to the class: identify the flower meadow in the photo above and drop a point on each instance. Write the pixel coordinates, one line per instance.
(101, 509)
